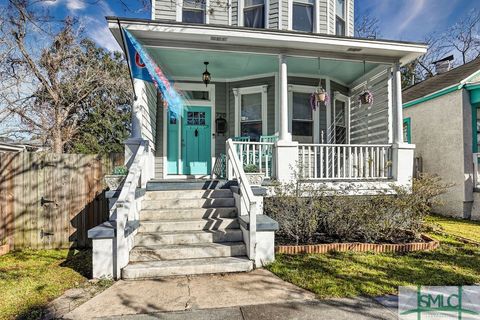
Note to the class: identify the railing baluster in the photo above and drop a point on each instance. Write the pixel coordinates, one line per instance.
(327, 162)
(315, 162)
(321, 162)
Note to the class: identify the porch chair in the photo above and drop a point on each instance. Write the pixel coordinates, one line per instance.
(241, 138)
(268, 155)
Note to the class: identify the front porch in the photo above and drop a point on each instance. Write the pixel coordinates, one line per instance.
(262, 102)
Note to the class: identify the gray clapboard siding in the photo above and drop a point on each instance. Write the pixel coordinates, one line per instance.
(166, 10)
(218, 13)
(273, 14)
(370, 123)
(149, 113)
(322, 25)
(285, 14)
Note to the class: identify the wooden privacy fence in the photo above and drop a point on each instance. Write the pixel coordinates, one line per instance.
(51, 200)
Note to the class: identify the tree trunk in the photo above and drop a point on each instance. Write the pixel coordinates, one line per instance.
(57, 142)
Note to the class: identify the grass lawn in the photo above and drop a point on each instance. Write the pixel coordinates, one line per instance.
(369, 274)
(29, 279)
(457, 227)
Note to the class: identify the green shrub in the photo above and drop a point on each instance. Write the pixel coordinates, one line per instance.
(120, 170)
(250, 168)
(380, 218)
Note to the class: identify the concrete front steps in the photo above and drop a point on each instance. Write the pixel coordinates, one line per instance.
(192, 230)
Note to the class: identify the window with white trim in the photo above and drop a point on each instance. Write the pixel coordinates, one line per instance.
(302, 115)
(251, 112)
(303, 15)
(254, 13)
(193, 11)
(251, 116)
(340, 17)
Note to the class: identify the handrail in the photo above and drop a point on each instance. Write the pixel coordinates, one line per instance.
(246, 194)
(134, 174)
(254, 143)
(343, 145)
(125, 209)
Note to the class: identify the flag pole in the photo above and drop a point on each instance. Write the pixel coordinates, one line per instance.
(128, 59)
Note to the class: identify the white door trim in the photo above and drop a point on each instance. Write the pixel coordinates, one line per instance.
(200, 103)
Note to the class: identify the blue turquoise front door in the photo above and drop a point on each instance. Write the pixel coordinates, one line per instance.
(196, 140)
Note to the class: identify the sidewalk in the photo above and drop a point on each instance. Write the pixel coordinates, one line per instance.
(255, 295)
(339, 309)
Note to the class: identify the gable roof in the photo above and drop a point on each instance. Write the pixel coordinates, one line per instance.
(441, 81)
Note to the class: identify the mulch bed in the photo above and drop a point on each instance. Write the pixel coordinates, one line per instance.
(425, 244)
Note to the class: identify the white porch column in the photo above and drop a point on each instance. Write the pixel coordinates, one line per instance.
(132, 143)
(402, 153)
(284, 134)
(397, 105)
(286, 150)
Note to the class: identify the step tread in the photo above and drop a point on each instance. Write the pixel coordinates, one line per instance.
(188, 246)
(184, 220)
(187, 262)
(168, 210)
(167, 233)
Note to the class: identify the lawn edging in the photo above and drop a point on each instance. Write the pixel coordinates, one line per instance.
(429, 244)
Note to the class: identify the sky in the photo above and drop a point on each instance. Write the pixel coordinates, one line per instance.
(413, 20)
(408, 20)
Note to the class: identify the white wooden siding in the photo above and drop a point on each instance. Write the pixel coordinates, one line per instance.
(370, 123)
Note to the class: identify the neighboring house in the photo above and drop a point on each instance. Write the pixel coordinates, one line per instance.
(11, 146)
(265, 59)
(442, 120)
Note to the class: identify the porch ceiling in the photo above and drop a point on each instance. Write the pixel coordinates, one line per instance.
(181, 63)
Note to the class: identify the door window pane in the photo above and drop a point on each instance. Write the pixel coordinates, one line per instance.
(251, 116)
(254, 14)
(193, 11)
(302, 17)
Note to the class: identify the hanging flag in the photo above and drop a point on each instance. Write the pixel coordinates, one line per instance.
(144, 67)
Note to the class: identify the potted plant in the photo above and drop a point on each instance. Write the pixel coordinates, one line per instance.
(115, 180)
(255, 178)
(366, 97)
(319, 96)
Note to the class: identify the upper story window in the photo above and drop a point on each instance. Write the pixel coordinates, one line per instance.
(254, 14)
(303, 15)
(193, 11)
(340, 14)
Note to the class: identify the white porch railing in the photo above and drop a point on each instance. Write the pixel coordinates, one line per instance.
(235, 170)
(345, 161)
(259, 154)
(126, 209)
(476, 176)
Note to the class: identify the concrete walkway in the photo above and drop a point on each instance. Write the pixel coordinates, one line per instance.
(255, 295)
